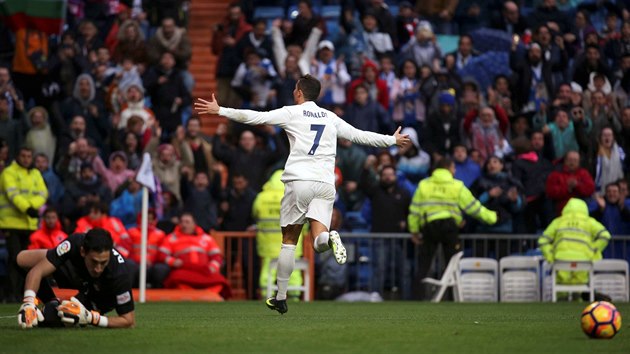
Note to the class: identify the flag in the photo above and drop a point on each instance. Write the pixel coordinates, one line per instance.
(145, 173)
(44, 15)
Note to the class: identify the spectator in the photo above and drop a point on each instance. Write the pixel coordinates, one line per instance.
(442, 133)
(369, 42)
(609, 161)
(466, 170)
(168, 93)
(613, 212)
(246, 159)
(366, 114)
(55, 188)
(172, 39)
(422, 48)
(389, 210)
(83, 192)
(49, 234)
(548, 12)
(11, 92)
(131, 43)
(116, 174)
(194, 147)
(413, 162)
(98, 217)
(465, 51)
(88, 38)
(201, 199)
(486, 136)
(128, 203)
(406, 23)
(499, 191)
(570, 181)
(257, 40)
(592, 62)
(156, 272)
(85, 103)
(408, 102)
(440, 13)
(65, 66)
(254, 78)
(332, 73)
(198, 269)
(11, 130)
(304, 23)
(562, 131)
(166, 167)
(23, 192)
(510, 19)
(383, 15)
(135, 106)
(533, 79)
(236, 204)
(531, 171)
(581, 28)
(224, 39)
(40, 137)
(377, 88)
(79, 152)
(30, 62)
(603, 114)
(266, 213)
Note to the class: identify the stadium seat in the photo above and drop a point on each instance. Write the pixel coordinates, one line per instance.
(478, 280)
(611, 278)
(300, 265)
(572, 266)
(450, 278)
(269, 13)
(331, 12)
(519, 279)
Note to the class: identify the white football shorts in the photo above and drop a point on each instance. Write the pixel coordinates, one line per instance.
(307, 200)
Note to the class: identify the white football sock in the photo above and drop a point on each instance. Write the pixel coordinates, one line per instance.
(320, 244)
(286, 263)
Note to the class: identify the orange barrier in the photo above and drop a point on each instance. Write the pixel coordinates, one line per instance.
(239, 265)
(155, 295)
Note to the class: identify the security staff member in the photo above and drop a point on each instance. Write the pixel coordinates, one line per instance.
(266, 212)
(574, 236)
(436, 210)
(86, 262)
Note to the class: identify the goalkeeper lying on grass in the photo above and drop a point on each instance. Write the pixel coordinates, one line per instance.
(86, 262)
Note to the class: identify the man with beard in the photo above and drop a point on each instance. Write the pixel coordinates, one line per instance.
(592, 62)
(533, 79)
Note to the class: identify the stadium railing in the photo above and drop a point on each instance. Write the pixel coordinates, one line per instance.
(381, 262)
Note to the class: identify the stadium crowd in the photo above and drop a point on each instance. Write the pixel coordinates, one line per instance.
(533, 105)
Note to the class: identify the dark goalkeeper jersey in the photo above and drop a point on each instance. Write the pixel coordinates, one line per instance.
(112, 290)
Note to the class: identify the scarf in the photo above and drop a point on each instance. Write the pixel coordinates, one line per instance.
(173, 42)
(485, 139)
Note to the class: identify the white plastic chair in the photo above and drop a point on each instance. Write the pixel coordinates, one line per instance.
(611, 278)
(300, 265)
(478, 279)
(519, 279)
(572, 266)
(449, 279)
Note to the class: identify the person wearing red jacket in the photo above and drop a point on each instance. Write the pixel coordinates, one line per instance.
(370, 78)
(99, 217)
(572, 181)
(132, 241)
(49, 234)
(194, 257)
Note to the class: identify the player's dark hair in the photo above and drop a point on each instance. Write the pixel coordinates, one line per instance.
(445, 162)
(97, 240)
(310, 87)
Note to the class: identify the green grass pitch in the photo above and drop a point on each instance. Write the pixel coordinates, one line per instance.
(327, 327)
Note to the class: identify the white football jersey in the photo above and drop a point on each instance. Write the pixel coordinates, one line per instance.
(313, 133)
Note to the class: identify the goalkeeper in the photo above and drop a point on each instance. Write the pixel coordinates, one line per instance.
(86, 262)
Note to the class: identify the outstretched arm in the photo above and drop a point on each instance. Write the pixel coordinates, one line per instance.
(275, 117)
(347, 131)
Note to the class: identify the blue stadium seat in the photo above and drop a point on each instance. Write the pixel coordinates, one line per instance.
(331, 12)
(269, 12)
(393, 9)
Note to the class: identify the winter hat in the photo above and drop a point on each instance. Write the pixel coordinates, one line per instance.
(447, 97)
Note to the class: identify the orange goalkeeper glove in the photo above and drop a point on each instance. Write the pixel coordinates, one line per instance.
(73, 312)
(29, 314)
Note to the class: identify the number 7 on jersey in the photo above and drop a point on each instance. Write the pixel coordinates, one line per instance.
(319, 128)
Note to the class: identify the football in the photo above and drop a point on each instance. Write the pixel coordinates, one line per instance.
(601, 319)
